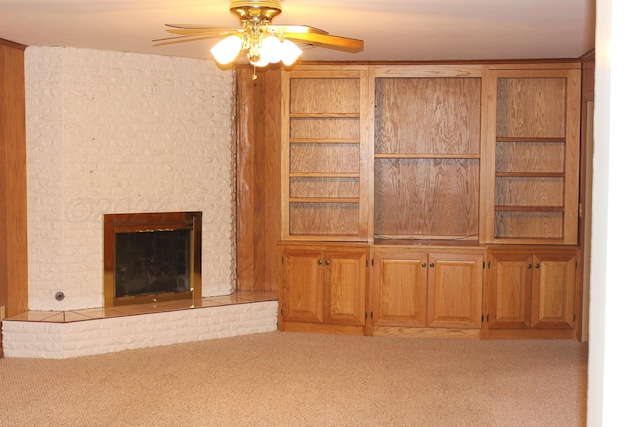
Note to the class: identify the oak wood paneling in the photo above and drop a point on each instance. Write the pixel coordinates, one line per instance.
(427, 198)
(305, 99)
(428, 115)
(323, 219)
(399, 290)
(13, 181)
(531, 107)
(323, 163)
(258, 179)
(530, 160)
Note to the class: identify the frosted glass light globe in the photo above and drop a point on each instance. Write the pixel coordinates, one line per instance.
(289, 52)
(227, 50)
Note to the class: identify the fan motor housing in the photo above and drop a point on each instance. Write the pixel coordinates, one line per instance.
(256, 9)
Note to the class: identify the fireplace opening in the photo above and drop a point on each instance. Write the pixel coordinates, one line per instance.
(152, 257)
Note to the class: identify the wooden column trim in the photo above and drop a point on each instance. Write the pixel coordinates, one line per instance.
(13, 180)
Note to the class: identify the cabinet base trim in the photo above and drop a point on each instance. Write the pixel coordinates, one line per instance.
(321, 329)
(529, 334)
(426, 332)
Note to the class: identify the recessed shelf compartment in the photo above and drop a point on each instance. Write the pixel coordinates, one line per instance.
(428, 197)
(323, 219)
(532, 148)
(427, 115)
(322, 172)
(529, 224)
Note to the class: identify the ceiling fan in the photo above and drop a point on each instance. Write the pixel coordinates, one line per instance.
(263, 42)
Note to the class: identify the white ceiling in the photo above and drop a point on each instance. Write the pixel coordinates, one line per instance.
(393, 30)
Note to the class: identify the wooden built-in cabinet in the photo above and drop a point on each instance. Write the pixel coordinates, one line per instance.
(415, 292)
(399, 291)
(324, 174)
(531, 155)
(531, 292)
(323, 288)
(397, 179)
(426, 143)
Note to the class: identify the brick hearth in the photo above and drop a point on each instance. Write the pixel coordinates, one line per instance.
(65, 334)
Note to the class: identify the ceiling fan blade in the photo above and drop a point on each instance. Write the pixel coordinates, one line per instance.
(327, 40)
(192, 27)
(298, 29)
(195, 32)
(181, 39)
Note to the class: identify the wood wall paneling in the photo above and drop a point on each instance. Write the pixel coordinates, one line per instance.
(258, 179)
(13, 182)
(586, 177)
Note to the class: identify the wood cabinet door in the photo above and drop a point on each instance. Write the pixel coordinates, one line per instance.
(345, 286)
(399, 289)
(553, 293)
(454, 293)
(301, 298)
(509, 281)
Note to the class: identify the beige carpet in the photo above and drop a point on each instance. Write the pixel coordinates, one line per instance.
(290, 379)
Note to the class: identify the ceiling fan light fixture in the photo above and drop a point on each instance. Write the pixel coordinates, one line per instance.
(227, 50)
(255, 9)
(271, 50)
(262, 42)
(289, 52)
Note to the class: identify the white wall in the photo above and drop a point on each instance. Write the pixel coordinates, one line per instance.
(113, 132)
(614, 367)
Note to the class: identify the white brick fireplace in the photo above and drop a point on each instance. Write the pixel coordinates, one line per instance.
(113, 132)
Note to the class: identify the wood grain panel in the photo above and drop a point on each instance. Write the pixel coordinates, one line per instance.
(525, 191)
(257, 179)
(399, 289)
(318, 328)
(324, 187)
(325, 128)
(529, 225)
(323, 219)
(301, 297)
(454, 295)
(13, 181)
(428, 115)
(531, 107)
(324, 158)
(319, 95)
(409, 332)
(509, 291)
(427, 197)
(553, 298)
(530, 157)
(345, 285)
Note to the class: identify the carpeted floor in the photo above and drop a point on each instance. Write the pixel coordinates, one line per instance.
(291, 379)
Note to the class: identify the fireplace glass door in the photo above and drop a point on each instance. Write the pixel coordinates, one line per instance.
(151, 257)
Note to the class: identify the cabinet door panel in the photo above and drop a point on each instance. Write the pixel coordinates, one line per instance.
(454, 291)
(400, 290)
(509, 291)
(553, 292)
(345, 281)
(302, 296)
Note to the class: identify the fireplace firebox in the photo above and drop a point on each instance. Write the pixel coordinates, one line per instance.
(152, 257)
